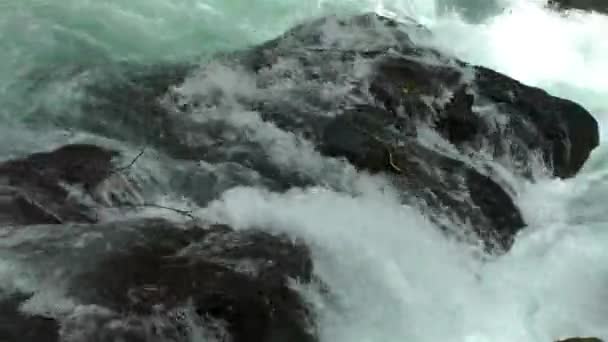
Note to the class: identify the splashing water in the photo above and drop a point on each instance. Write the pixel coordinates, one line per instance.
(393, 277)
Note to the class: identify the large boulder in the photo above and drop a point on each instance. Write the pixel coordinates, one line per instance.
(160, 281)
(319, 80)
(562, 130)
(406, 89)
(427, 88)
(53, 187)
(366, 137)
(147, 279)
(526, 119)
(378, 64)
(585, 5)
(403, 77)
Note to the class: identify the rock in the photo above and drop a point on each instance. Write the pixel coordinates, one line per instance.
(419, 87)
(581, 339)
(367, 138)
(17, 326)
(398, 88)
(564, 131)
(586, 5)
(233, 283)
(87, 165)
(40, 188)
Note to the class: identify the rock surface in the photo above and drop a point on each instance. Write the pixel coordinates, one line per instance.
(17, 326)
(234, 283)
(586, 5)
(387, 92)
(364, 137)
(49, 187)
(160, 281)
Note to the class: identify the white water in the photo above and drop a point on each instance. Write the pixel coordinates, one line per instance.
(392, 276)
(396, 279)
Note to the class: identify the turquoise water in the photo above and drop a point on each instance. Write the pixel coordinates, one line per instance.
(395, 284)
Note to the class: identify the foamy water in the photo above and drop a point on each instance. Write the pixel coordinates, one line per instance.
(394, 278)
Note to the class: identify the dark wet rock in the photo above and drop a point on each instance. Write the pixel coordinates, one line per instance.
(16, 326)
(459, 123)
(409, 80)
(397, 86)
(586, 5)
(426, 86)
(374, 68)
(564, 131)
(371, 140)
(87, 165)
(581, 339)
(231, 282)
(36, 189)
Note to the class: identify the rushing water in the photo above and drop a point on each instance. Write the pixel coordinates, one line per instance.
(394, 277)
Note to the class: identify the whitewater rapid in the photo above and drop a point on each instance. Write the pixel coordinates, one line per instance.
(392, 275)
(397, 279)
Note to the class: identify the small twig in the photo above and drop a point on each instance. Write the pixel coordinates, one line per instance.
(187, 213)
(387, 147)
(391, 161)
(179, 211)
(124, 168)
(154, 205)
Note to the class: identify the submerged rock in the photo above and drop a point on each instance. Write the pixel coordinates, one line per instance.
(160, 281)
(562, 130)
(366, 137)
(408, 88)
(18, 326)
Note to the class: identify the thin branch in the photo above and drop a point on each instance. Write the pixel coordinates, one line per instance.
(124, 168)
(187, 213)
(179, 211)
(392, 162)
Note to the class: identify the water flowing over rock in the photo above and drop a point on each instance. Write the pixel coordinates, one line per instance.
(295, 111)
(387, 92)
(160, 280)
(586, 5)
